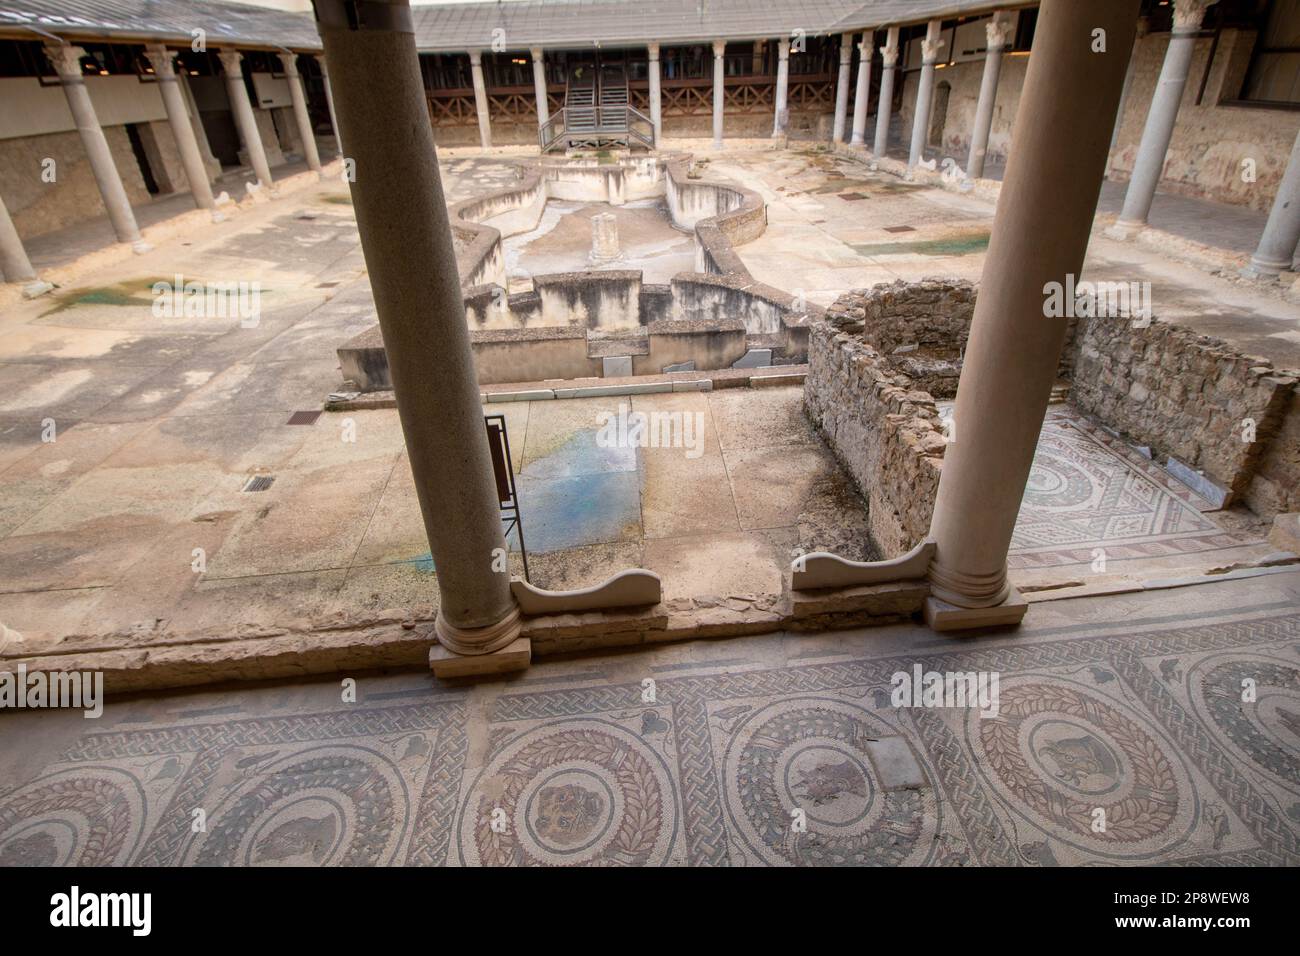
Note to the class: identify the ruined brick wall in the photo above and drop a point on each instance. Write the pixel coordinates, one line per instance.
(1274, 488)
(885, 432)
(1185, 395)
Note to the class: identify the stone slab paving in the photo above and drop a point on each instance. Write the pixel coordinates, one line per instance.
(1131, 705)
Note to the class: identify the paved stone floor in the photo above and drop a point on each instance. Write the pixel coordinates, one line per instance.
(1131, 705)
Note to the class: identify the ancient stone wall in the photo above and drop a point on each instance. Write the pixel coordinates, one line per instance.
(886, 433)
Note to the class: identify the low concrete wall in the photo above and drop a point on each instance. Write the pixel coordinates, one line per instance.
(593, 300)
(710, 345)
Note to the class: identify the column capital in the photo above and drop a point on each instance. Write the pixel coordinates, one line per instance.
(783, 48)
(66, 58)
(864, 45)
(652, 48)
(537, 53)
(161, 59)
(1188, 15)
(320, 61)
(889, 54)
(930, 51)
(998, 30)
(475, 57)
(846, 49)
(719, 47)
(230, 60)
(289, 59)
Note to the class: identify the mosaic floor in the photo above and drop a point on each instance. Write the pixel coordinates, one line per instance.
(1130, 705)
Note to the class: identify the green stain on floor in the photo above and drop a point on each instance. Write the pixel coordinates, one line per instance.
(339, 199)
(130, 292)
(963, 244)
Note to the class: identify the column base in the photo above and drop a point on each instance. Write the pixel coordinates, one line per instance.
(1124, 230)
(478, 640)
(1263, 271)
(33, 289)
(941, 616)
(515, 656)
(140, 247)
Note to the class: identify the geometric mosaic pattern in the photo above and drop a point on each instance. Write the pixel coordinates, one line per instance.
(1187, 738)
(1088, 490)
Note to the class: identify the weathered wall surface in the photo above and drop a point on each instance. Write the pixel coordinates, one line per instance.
(886, 434)
(1275, 487)
(963, 81)
(1182, 394)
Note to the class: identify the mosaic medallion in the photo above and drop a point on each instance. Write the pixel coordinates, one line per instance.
(1266, 731)
(1055, 482)
(805, 784)
(578, 792)
(1059, 753)
(334, 805)
(93, 816)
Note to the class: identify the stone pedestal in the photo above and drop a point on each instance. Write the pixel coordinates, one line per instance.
(604, 239)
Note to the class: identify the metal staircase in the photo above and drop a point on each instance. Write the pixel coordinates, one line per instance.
(597, 112)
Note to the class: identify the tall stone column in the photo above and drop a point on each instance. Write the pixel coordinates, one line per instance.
(842, 87)
(1040, 235)
(1277, 245)
(889, 66)
(14, 264)
(781, 106)
(299, 98)
(1124, 95)
(924, 92)
(480, 99)
(407, 242)
(719, 90)
(863, 91)
(210, 161)
(539, 86)
(998, 31)
(179, 120)
(329, 101)
(656, 103)
(244, 119)
(67, 63)
(1159, 129)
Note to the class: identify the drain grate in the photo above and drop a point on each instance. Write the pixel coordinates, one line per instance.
(303, 418)
(899, 229)
(259, 483)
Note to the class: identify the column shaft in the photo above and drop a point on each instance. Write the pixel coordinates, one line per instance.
(842, 87)
(1040, 235)
(997, 31)
(924, 93)
(1277, 245)
(237, 93)
(179, 120)
(67, 63)
(780, 106)
(299, 98)
(407, 242)
(210, 162)
(889, 66)
(539, 86)
(329, 101)
(1159, 129)
(656, 104)
(862, 92)
(719, 90)
(14, 263)
(480, 99)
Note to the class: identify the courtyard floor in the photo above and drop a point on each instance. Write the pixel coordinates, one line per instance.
(1131, 705)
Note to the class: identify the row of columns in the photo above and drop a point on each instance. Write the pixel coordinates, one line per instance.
(66, 59)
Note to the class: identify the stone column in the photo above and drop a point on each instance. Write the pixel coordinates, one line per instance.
(889, 64)
(179, 120)
(480, 99)
(842, 87)
(67, 63)
(1162, 116)
(781, 110)
(1040, 235)
(998, 31)
(210, 161)
(299, 97)
(14, 264)
(719, 90)
(1277, 245)
(863, 91)
(329, 101)
(656, 104)
(539, 86)
(244, 119)
(407, 243)
(924, 92)
(1123, 97)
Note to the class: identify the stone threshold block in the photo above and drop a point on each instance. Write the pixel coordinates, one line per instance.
(515, 656)
(942, 616)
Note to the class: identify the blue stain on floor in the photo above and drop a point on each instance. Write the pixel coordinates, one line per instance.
(581, 455)
(581, 509)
